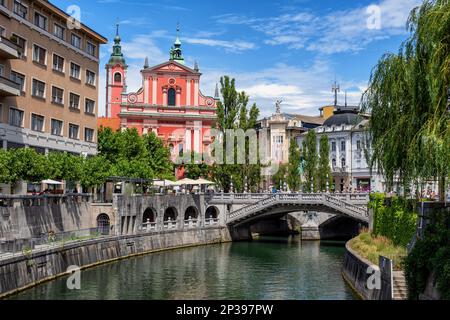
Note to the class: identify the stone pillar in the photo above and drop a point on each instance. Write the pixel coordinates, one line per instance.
(178, 97)
(154, 85)
(188, 92)
(164, 97)
(188, 141)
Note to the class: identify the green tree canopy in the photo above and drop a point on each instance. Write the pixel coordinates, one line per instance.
(324, 170)
(293, 174)
(309, 148)
(232, 113)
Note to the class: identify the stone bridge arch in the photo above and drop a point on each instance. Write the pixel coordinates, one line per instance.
(191, 213)
(170, 213)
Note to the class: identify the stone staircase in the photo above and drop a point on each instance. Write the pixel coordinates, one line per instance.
(400, 290)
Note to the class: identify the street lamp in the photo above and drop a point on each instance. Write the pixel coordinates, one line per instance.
(312, 185)
(245, 185)
(231, 185)
(328, 185)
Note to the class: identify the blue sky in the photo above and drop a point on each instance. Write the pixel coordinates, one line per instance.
(291, 50)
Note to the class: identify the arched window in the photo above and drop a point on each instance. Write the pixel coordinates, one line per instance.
(171, 97)
(103, 224)
(171, 147)
(117, 77)
(333, 162)
(343, 162)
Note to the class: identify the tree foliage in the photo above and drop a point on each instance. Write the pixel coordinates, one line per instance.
(324, 169)
(310, 156)
(232, 113)
(407, 98)
(293, 172)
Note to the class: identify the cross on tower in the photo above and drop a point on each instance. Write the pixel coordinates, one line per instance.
(336, 88)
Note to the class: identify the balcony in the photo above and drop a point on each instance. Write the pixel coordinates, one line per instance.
(8, 49)
(8, 87)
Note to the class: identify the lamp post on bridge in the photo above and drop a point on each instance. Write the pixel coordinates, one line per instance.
(328, 185)
(312, 185)
(231, 185)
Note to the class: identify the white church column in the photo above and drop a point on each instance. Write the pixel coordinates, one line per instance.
(196, 93)
(154, 91)
(197, 131)
(188, 92)
(178, 97)
(146, 88)
(188, 141)
(164, 97)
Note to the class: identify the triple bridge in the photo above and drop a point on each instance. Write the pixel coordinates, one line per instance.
(314, 212)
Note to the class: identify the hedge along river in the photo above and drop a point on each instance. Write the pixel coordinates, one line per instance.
(268, 268)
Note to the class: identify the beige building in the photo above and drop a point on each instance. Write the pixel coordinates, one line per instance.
(49, 70)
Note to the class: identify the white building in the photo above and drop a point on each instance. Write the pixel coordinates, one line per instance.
(347, 139)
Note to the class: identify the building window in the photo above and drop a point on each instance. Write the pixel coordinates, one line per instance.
(37, 122)
(117, 77)
(57, 95)
(171, 97)
(333, 146)
(39, 54)
(3, 3)
(88, 134)
(89, 106)
(74, 101)
(40, 20)
(75, 70)
(91, 48)
(38, 89)
(57, 127)
(2, 31)
(171, 147)
(90, 77)
(343, 145)
(76, 41)
(18, 78)
(343, 163)
(20, 9)
(278, 139)
(2, 70)
(58, 63)
(59, 31)
(333, 163)
(15, 117)
(73, 131)
(358, 145)
(180, 149)
(21, 43)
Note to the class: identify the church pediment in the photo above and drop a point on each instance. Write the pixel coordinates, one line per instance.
(171, 66)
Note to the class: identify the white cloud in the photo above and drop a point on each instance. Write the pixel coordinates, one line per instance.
(335, 32)
(235, 46)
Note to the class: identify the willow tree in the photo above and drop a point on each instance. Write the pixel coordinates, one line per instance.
(408, 100)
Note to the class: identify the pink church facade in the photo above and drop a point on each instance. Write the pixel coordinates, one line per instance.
(169, 103)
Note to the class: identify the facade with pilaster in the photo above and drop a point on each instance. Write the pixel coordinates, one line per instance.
(169, 103)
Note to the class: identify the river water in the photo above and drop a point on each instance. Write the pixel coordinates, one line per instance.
(268, 268)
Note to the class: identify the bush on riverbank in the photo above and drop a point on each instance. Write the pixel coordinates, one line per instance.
(371, 247)
(394, 218)
(430, 256)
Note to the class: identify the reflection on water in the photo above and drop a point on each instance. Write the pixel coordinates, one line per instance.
(269, 268)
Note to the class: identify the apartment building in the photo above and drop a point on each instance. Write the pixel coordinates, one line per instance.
(49, 70)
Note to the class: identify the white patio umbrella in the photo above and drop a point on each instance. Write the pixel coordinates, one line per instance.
(186, 181)
(50, 181)
(203, 181)
(163, 183)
